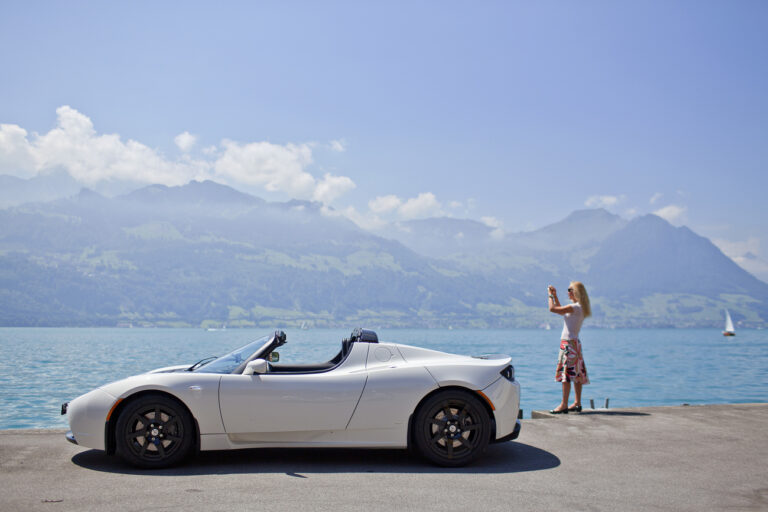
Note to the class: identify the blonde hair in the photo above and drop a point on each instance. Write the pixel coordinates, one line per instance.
(580, 293)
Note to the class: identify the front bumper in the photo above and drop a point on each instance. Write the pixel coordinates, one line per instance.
(86, 415)
(71, 437)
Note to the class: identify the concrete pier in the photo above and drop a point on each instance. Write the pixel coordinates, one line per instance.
(657, 458)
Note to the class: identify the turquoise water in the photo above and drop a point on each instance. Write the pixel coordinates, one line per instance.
(41, 368)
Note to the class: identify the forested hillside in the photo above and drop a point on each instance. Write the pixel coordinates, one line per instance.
(205, 254)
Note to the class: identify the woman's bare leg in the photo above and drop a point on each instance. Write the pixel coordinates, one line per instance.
(577, 389)
(566, 393)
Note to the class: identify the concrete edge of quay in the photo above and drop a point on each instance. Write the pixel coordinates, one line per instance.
(543, 415)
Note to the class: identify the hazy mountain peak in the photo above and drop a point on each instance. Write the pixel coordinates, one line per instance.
(439, 236)
(650, 255)
(651, 223)
(446, 225)
(45, 187)
(592, 213)
(580, 228)
(194, 192)
(86, 194)
(650, 219)
(299, 205)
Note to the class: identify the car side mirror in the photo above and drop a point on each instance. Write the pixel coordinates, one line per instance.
(274, 357)
(256, 367)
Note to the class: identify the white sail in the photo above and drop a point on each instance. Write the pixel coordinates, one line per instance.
(728, 322)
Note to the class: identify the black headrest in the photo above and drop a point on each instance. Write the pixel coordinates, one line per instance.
(364, 335)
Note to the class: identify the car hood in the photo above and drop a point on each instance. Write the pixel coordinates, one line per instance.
(171, 369)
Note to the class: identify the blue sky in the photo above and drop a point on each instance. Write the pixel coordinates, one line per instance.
(516, 113)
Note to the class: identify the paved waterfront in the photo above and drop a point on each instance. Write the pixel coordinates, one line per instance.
(658, 458)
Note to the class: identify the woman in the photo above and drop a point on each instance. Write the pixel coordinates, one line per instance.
(570, 363)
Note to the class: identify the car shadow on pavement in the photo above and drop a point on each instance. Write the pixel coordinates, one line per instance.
(511, 457)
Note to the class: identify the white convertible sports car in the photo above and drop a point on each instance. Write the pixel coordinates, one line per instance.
(446, 407)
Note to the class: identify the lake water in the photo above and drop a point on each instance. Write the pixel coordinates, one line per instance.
(42, 368)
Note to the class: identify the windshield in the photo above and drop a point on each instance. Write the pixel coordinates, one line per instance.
(229, 363)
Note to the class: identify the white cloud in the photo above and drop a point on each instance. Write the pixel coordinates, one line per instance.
(655, 197)
(631, 212)
(16, 153)
(738, 248)
(339, 145)
(423, 205)
(384, 204)
(271, 166)
(496, 224)
(279, 168)
(332, 187)
(746, 253)
(92, 158)
(74, 145)
(365, 221)
(603, 201)
(672, 213)
(185, 141)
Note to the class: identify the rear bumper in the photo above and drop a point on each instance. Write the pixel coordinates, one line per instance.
(71, 437)
(504, 396)
(513, 435)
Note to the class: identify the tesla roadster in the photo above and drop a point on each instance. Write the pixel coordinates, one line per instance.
(446, 407)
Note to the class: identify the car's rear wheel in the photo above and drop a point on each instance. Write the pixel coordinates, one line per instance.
(154, 431)
(452, 428)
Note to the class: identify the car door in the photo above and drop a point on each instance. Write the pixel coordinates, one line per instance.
(285, 402)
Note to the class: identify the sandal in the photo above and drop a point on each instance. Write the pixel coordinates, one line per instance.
(562, 411)
(575, 408)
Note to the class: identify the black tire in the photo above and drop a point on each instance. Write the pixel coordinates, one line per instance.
(452, 428)
(154, 431)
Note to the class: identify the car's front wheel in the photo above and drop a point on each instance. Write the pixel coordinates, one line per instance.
(452, 428)
(154, 431)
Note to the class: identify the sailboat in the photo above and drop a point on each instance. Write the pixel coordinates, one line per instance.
(729, 330)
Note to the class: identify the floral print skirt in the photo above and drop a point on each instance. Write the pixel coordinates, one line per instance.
(570, 363)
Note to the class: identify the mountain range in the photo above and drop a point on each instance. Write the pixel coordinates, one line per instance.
(204, 254)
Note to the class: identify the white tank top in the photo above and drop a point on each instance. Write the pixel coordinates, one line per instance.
(572, 323)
